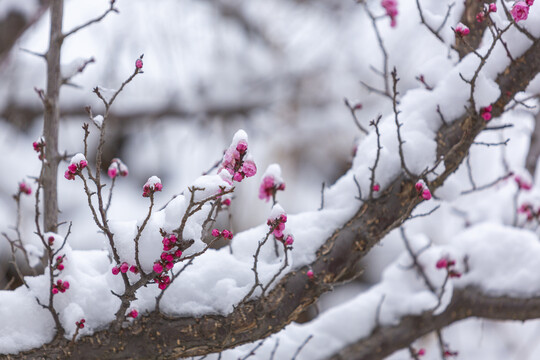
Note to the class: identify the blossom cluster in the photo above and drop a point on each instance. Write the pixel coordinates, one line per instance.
(225, 233)
(529, 210)
(124, 267)
(481, 16)
(271, 183)
(171, 253)
(24, 188)
(485, 112)
(391, 10)
(423, 190)
(236, 160)
(59, 263)
(448, 264)
(116, 168)
(61, 286)
(78, 162)
(276, 222)
(152, 185)
(80, 324)
(39, 147)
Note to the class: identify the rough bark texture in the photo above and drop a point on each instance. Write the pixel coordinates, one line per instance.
(157, 336)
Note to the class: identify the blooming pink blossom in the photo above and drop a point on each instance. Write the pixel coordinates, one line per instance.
(493, 7)
(178, 253)
(462, 30)
(520, 11)
(249, 168)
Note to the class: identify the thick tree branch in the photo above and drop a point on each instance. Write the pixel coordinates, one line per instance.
(466, 303)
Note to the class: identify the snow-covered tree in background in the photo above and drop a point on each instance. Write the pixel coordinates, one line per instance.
(443, 179)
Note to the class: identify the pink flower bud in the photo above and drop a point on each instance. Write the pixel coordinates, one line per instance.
(66, 285)
(442, 263)
(530, 2)
(138, 64)
(134, 269)
(493, 7)
(158, 268)
(241, 147)
(289, 240)
(226, 202)
(60, 267)
(238, 177)
(419, 186)
(376, 187)
(115, 270)
(178, 253)
(215, 233)
(124, 267)
(462, 30)
(169, 265)
(225, 233)
(486, 116)
(480, 17)
(51, 240)
(55, 290)
(426, 194)
(134, 313)
(421, 352)
(112, 172)
(310, 274)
